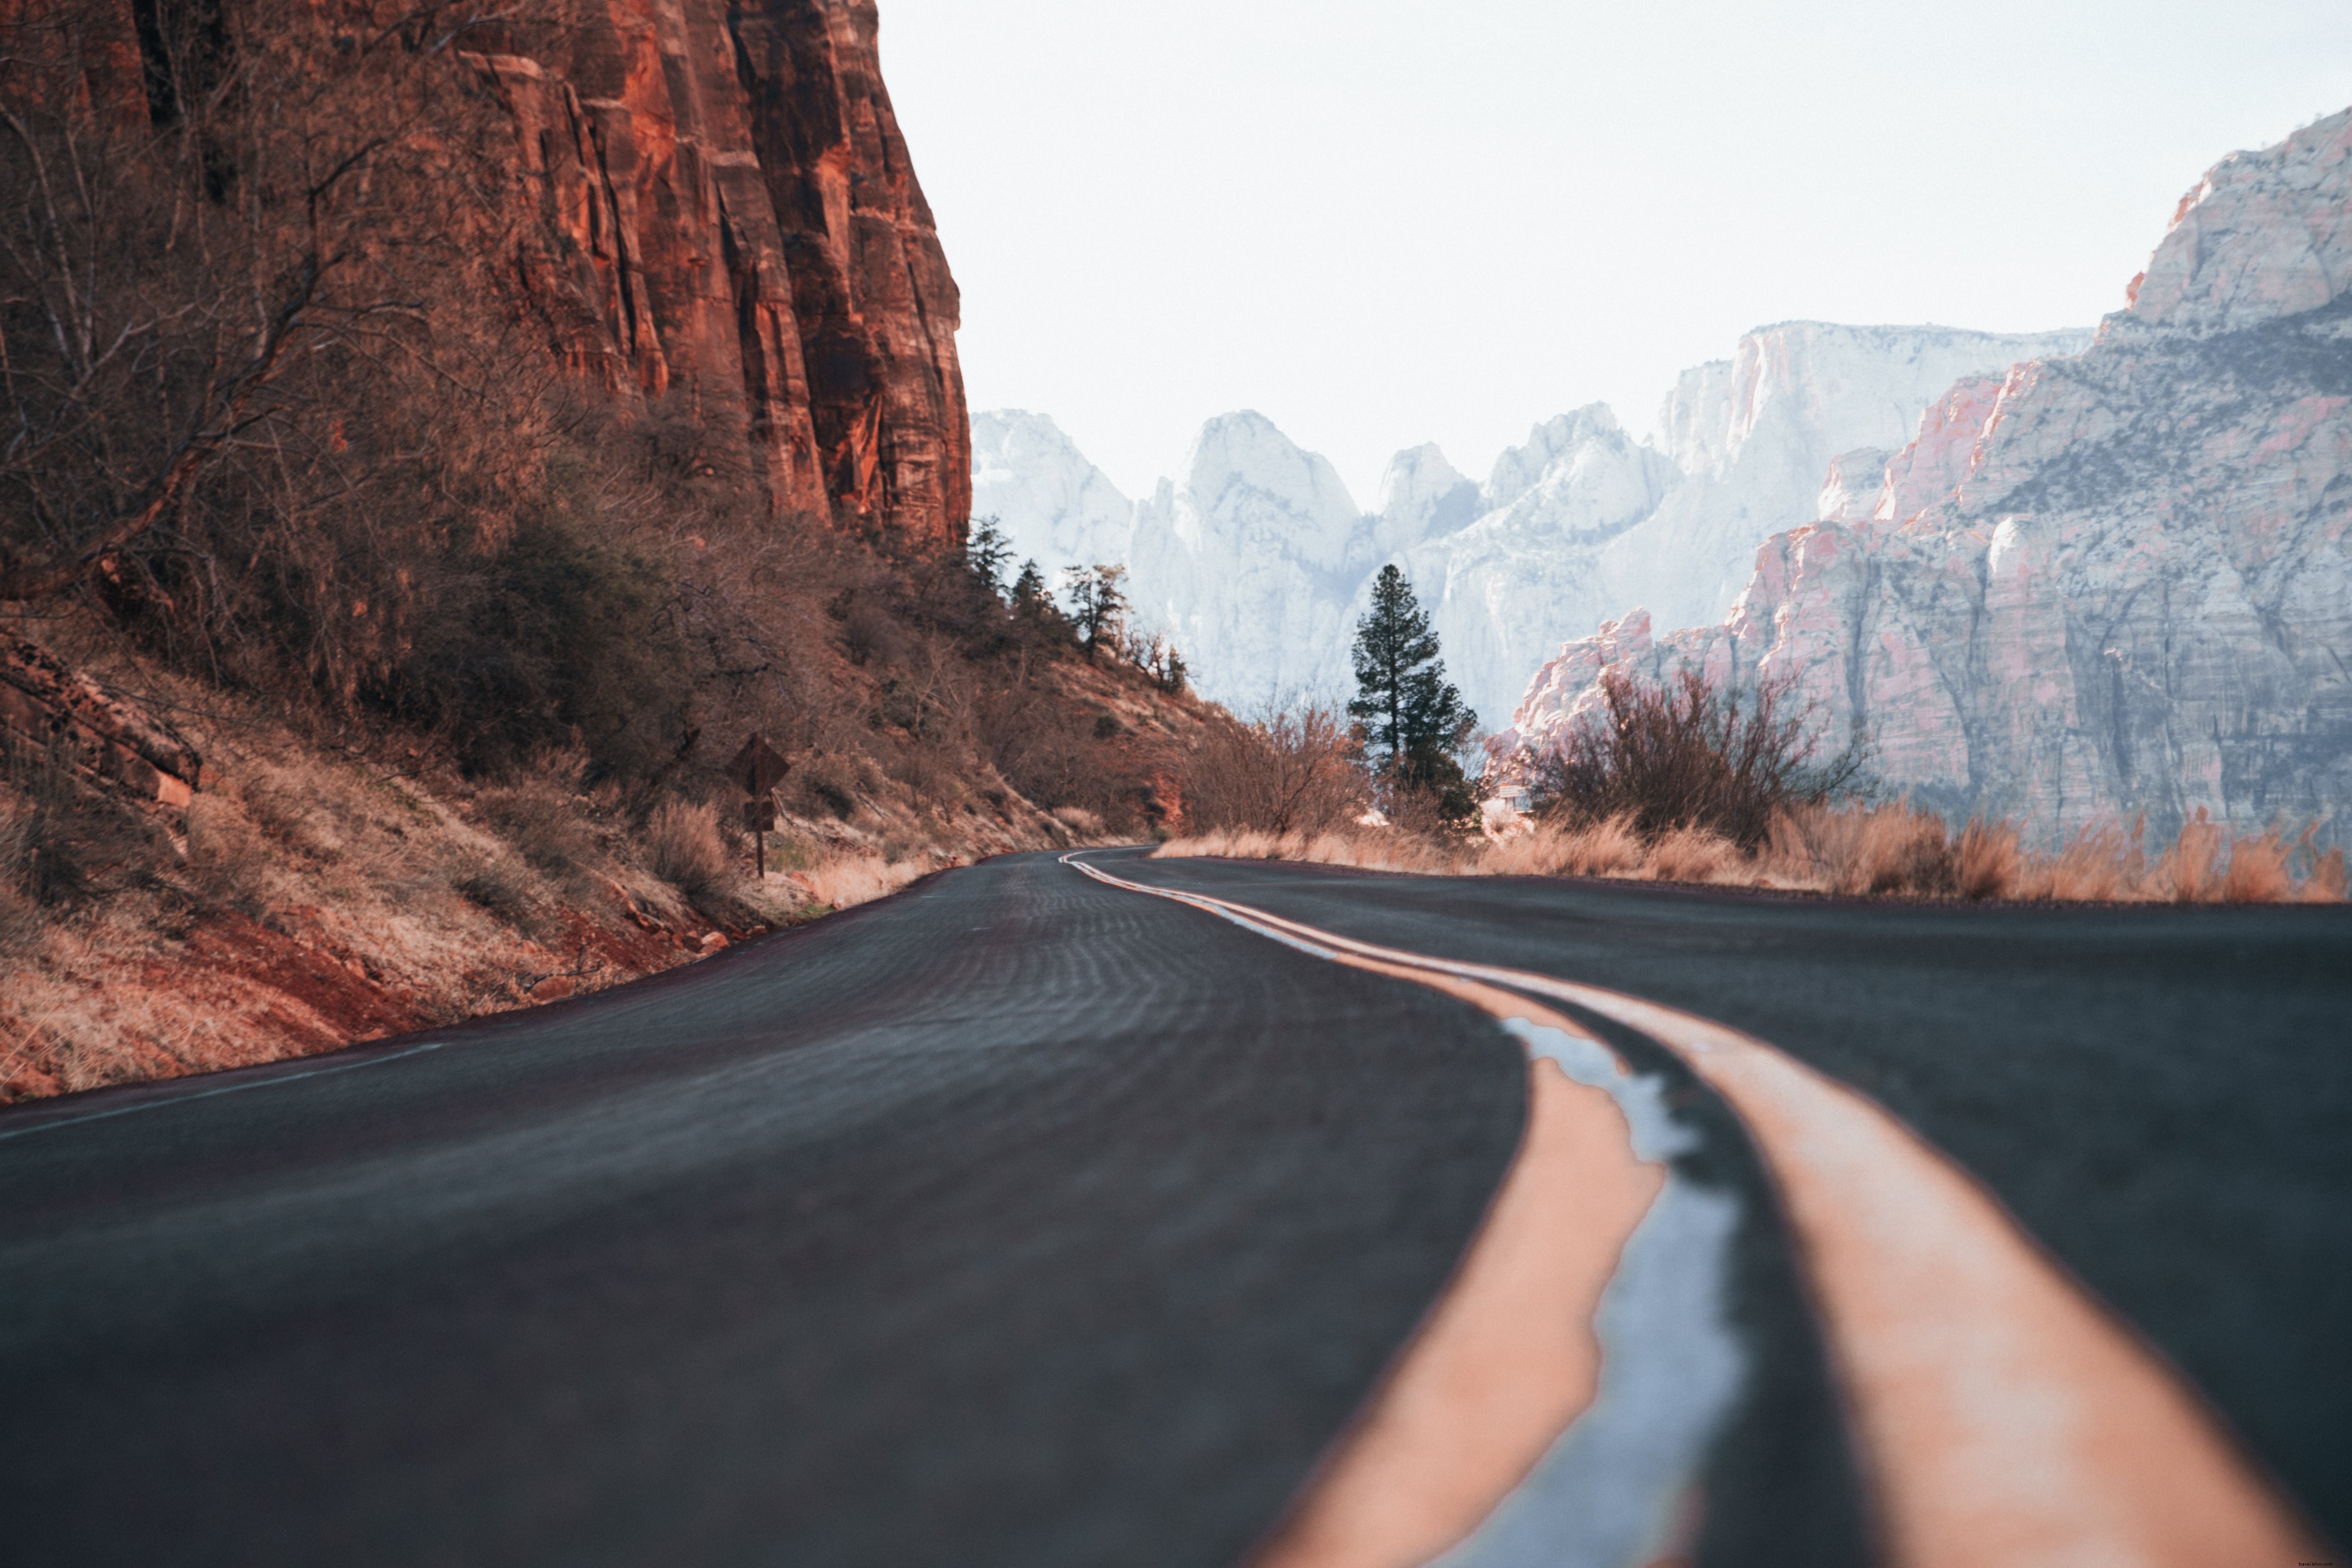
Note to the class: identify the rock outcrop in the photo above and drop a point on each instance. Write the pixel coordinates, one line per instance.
(1053, 505)
(727, 216)
(2115, 583)
(1570, 526)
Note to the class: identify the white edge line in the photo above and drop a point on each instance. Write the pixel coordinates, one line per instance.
(164, 1102)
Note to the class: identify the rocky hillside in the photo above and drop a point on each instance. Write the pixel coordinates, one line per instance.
(2115, 582)
(438, 438)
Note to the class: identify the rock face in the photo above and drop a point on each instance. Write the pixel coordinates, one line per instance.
(1248, 561)
(2114, 584)
(1053, 505)
(1248, 564)
(727, 218)
(1754, 434)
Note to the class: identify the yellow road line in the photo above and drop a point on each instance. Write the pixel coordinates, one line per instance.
(2006, 1417)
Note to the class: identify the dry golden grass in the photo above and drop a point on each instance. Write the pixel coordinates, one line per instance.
(1895, 850)
(683, 847)
(843, 881)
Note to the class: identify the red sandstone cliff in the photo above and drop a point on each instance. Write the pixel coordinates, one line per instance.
(728, 213)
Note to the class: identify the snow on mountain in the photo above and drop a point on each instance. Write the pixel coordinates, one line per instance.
(2112, 583)
(1054, 506)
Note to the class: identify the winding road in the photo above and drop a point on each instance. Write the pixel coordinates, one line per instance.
(1029, 1219)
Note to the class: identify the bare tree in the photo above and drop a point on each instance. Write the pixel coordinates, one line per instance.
(1295, 767)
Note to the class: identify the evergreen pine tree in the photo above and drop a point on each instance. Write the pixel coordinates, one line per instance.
(1413, 717)
(1029, 589)
(1097, 604)
(986, 552)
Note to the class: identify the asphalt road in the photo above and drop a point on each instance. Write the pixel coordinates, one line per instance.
(2163, 1096)
(1021, 1219)
(1014, 1220)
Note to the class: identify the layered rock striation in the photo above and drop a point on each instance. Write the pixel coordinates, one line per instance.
(726, 216)
(2117, 583)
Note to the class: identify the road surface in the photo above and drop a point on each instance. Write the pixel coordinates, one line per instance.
(1024, 1220)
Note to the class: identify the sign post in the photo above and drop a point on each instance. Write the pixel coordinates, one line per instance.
(758, 771)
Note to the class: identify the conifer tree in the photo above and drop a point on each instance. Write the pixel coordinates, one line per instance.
(1097, 604)
(1413, 717)
(1029, 589)
(987, 551)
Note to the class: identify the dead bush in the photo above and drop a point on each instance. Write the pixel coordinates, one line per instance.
(226, 857)
(542, 825)
(1857, 849)
(1609, 847)
(1985, 860)
(683, 848)
(20, 915)
(1692, 855)
(1293, 769)
(2258, 871)
(492, 884)
(826, 784)
(2326, 882)
(1686, 755)
(2192, 870)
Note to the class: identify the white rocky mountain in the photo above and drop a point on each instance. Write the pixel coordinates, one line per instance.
(1055, 506)
(1258, 562)
(2118, 583)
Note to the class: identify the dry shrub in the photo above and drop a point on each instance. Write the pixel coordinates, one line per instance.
(2258, 871)
(226, 857)
(1609, 847)
(1851, 850)
(2326, 882)
(493, 885)
(1686, 755)
(839, 881)
(1693, 854)
(683, 847)
(20, 916)
(1377, 850)
(2191, 870)
(1291, 770)
(1079, 821)
(1987, 859)
(1859, 849)
(542, 825)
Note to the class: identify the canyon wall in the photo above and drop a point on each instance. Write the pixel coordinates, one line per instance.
(727, 218)
(2115, 583)
(716, 215)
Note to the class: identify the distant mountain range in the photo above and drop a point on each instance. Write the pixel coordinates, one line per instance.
(1256, 559)
(2104, 585)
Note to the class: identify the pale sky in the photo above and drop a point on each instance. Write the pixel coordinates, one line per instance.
(1386, 222)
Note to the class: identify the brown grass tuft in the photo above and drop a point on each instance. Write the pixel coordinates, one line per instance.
(1853, 850)
(683, 848)
(2191, 870)
(2258, 871)
(1985, 860)
(1693, 854)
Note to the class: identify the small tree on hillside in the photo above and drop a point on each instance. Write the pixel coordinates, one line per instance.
(1414, 719)
(1029, 590)
(987, 552)
(1097, 604)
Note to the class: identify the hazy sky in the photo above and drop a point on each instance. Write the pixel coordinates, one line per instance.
(1386, 222)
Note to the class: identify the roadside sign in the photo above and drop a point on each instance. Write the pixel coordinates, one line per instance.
(757, 767)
